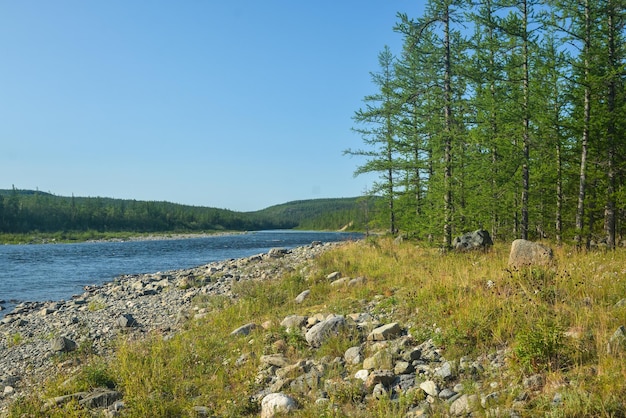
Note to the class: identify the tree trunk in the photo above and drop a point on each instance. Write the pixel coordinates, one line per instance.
(447, 176)
(580, 209)
(609, 211)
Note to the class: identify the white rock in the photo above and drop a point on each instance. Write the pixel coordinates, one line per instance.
(276, 403)
(362, 375)
(430, 388)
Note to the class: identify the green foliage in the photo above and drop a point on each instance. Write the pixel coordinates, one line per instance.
(541, 348)
(504, 116)
(28, 216)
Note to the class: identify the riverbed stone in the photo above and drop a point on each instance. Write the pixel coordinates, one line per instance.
(275, 404)
(321, 331)
(62, 345)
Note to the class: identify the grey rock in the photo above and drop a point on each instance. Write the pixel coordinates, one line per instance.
(403, 367)
(244, 329)
(379, 391)
(446, 371)
(446, 394)
(385, 332)
(277, 360)
(302, 296)
(62, 345)
(340, 282)
(477, 240)
(384, 377)
(403, 383)
(464, 405)
(321, 331)
(293, 321)
(527, 253)
(357, 281)
(382, 359)
(278, 252)
(100, 398)
(126, 321)
(617, 340)
(353, 355)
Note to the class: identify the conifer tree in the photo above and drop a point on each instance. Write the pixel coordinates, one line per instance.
(378, 119)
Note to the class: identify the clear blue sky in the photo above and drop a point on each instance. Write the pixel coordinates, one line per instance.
(237, 104)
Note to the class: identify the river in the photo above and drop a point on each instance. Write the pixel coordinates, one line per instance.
(45, 272)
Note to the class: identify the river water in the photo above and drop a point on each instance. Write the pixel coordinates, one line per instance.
(57, 271)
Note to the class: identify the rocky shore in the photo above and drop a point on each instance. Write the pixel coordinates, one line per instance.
(33, 334)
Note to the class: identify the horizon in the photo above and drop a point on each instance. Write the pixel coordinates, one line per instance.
(236, 105)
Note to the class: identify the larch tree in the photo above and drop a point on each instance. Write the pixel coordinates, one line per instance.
(377, 123)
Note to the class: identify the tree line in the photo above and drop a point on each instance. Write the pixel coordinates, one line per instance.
(26, 211)
(507, 115)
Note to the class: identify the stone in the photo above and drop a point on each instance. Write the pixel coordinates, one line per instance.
(302, 296)
(340, 282)
(430, 388)
(384, 377)
(244, 329)
(293, 322)
(404, 383)
(380, 360)
(385, 332)
(446, 394)
(321, 331)
(362, 374)
(464, 405)
(446, 371)
(527, 253)
(412, 354)
(353, 355)
(379, 391)
(333, 276)
(477, 240)
(277, 403)
(278, 252)
(126, 321)
(277, 360)
(617, 340)
(100, 398)
(403, 367)
(62, 345)
(357, 281)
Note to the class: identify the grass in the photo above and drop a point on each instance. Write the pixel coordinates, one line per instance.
(554, 321)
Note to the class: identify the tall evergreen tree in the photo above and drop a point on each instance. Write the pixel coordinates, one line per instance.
(378, 132)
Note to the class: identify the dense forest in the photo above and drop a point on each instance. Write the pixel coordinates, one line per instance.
(507, 115)
(26, 211)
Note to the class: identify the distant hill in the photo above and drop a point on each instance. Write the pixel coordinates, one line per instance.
(334, 214)
(26, 211)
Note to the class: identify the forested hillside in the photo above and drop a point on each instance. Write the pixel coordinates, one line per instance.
(504, 115)
(25, 211)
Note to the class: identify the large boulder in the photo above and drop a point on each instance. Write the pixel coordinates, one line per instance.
(477, 240)
(323, 330)
(527, 253)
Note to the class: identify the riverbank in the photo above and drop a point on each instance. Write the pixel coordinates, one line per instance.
(95, 236)
(137, 305)
(374, 328)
